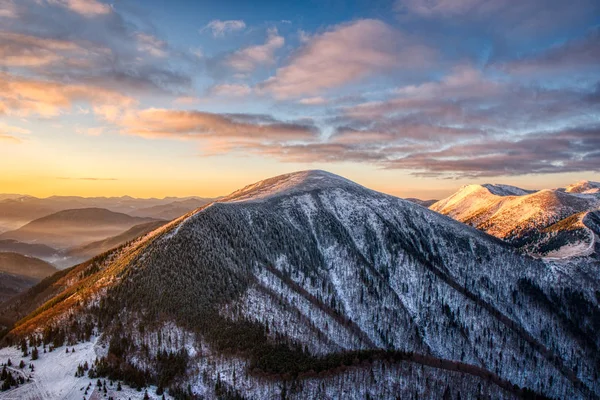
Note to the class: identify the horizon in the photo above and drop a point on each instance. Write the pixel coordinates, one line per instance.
(412, 98)
(177, 198)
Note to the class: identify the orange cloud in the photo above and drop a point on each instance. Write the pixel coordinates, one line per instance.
(27, 96)
(9, 139)
(19, 50)
(157, 123)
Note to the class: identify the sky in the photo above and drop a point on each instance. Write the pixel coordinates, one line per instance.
(414, 98)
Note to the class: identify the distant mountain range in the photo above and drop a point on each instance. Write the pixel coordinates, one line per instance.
(72, 228)
(550, 223)
(82, 253)
(307, 285)
(17, 210)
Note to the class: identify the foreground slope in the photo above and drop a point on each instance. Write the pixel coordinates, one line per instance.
(543, 223)
(308, 285)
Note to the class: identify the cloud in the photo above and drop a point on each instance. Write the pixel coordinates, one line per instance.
(8, 9)
(151, 45)
(8, 139)
(87, 8)
(313, 101)
(230, 90)
(463, 83)
(12, 130)
(344, 54)
(85, 179)
(23, 96)
(505, 17)
(220, 28)
(249, 58)
(571, 150)
(236, 129)
(22, 50)
(573, 56)
(7, 133)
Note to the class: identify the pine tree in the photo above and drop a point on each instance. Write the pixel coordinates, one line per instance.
(34, 353)
(24, 347)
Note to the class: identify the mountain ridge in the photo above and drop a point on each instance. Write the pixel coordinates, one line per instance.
(291, 273)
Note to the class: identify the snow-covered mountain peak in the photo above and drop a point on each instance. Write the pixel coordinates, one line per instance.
(295, 182)
(583, 187)
(506, 190)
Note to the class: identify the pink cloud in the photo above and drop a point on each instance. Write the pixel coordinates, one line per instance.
(220, 28)
(249, 58)
(87, 8)
(231, 90)
(24, 96)
(344, 54)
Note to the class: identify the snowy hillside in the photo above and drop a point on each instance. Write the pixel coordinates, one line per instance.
(586, 187)
(531, 221)
(308, 285)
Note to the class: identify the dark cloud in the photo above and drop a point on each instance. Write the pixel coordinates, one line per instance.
(572, 150)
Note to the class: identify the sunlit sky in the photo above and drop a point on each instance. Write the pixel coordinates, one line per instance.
(415, 98)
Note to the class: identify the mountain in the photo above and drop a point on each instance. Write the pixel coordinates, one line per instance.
(85, 252)
(71, 228)
(172, 210)
(308, 285)
(17, 210)
(424, 203)
(18, 273)
(530, 220)
(41, 251)
(583, 187)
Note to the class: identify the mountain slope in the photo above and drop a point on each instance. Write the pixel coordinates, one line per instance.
(18, 273)
(74, 227)
(40, 251)
(586, 187)
(424, 203)
(311, 281)
(521, 218)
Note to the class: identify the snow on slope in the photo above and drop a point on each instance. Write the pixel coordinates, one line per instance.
(289, 184)
(506, 190)
(329, 265)
(54, 375)
(517, 216)
(586, 187)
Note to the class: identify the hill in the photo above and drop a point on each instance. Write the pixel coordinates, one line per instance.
(85, 252)
(528, 220)
(18, 273)
(71, 228)
(307, 284)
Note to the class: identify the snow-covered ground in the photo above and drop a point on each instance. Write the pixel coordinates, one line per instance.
(571, 250)
(54, 376)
